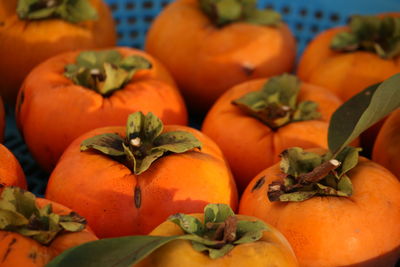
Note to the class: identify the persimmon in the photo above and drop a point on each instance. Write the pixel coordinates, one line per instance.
(11, 173)
(387, 145)
(34, 231)
(252, 138)
(2, 120)
(216, 237)
(331, 231)
(75, 92)
(348, 59)
(33, 31)
(209, 46)
(127, 180)
(334, 206)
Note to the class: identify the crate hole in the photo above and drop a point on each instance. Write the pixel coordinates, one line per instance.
(318, 14)
(303, 12)
(113, 7)
(148, 19)
(148, 4)
(132, 20)
(334, 17)
(286, 10)
(117, 21)
(164, 3)
(314, 28)
(270, 6)
(130, 6)
(120, 35)
(299, 26)
(134, 34)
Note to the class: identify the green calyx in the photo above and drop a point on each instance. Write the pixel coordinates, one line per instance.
(104, 71)
(221, 230)
(309, 174)
(222, 12)
(370, 33)
(73, 11)
(144, 142)
(276, 103)
(19, 213)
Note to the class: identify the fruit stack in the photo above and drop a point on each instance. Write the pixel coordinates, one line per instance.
(292, 160)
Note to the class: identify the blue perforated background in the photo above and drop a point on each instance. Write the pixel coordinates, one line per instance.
(305, 17)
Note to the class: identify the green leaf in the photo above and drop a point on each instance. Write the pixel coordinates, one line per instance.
(176, 142)
(349, 159)
(345, 41)
(138, 62)
(135, 125)
(116, 252)
(306, 110)
(23, 201)
(228, 11)
(153, 127)
(362, 111)
(188, 224)
(115, 79)
(142, 165)
(73, 11)
(217, 213)
(345, 186)
(108, 144)
(72, 226)
(212, 252)
(297, 196)
(9, 219)
(296, 161)
(264, 17)
(250, 231)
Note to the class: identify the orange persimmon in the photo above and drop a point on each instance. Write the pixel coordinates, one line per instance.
(208, 53)
(26, 42)
(52, 109)
(331, 230)
(251, 145)
(11, 173)
(20, 250)
(349, 69)
(272, 249)
(2, 120)
(387, 145)
(119, 194)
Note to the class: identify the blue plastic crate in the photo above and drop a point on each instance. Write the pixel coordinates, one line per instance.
(306, 18)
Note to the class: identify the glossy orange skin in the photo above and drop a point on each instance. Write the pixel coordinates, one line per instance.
(361, 230)
(52, 110)
(251, 146)
(24, 44)
(2, 120)
(206, 60)
(271, 250)
(11, 173)
(103, 190)
(18, 250)
(387, 145)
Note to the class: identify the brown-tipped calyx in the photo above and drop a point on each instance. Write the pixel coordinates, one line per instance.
(221, 230)
(309, 174)
(370, 33)
(223, 12)
(276, 103)
(104, 71)
(144, 142)
(73, 11)
(19, 213)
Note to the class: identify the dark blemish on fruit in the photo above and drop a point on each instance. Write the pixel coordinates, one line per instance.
(138, 197)
(258, 184)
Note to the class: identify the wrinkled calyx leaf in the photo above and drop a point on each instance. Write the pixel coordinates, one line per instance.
(221, 230)
(370, 33)
(73, 11)
(104, 71)
(276, 103)
(144, 142)
(222, 12)
(309, 174)
(19, 213)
